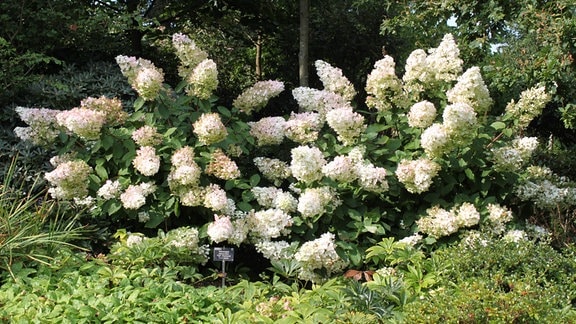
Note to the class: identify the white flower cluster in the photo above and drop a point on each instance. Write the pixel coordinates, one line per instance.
(498, 217)
(515, 236)
(334, 81)
(347, 124)
(184, 177)
(512, 158)
(196, 68)
(435, 140)
(275, 250)
(274, 170)
(143, 75)
(412, 239)
(188, 238)
(69, 180)
(307, 163)
(471, 89)
(341, 169)
(440, 222)
(83, 122)
(147, 136)
(530, 105)
(223, 228)
(112, 108)
(272, 197)
(547, 193)
(303, 127)
(109, 190)
(209, 129)
(422, 114)
(146, 161)
(215, 198)
(269, 223)
(315, 202)
(318, 254)
(382, 85)
(257, 96)
(371, 178)
(134, 196)
(320, 101)
(416, 71)
(222, 167)
(41, 128)
(417, 175)
(268, 130)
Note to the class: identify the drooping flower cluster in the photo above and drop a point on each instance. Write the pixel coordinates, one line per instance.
(210, 129)
(69, 179)
(147, 136)
(83, 122)
(274, 170)
(112, 108)
(189, 54)
(512, 158)
(256, 97)
(222, 167)
(383, 86)
(146, 161)
(41, 128)
(320, 101)
(316, 255)
(134, 196)
(347, 124)
(440, 222)
(471, 89)
(422, 114)
(417, 175)
(142, 74)
(530, 105)
(307, 163)
(303, 127)
(315, 202)
(268, 130)
(334, 81)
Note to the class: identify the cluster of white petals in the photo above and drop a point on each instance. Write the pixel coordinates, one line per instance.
(222, 167)
(275, 250)
(417, 175)
(498, 217)
(515, 156)
(143, 75)
(440, 222)
(110, 189)
(210, 129)
(334, 80)
(147, 136)
(269, 223)
(422, 114)
(307, 163)
(274, 170)
(203, 80)
(320, 101)
(382, 85)
(69, 180)
(530, 105)
(341, 169)
(83, 122)
(268, 130)
(303, 127)
(146, 161)
(315, 202)
(41, 123)
(112, 108)
(347, 124)
(257, 96)
(316, 255)
(134, 196)
(471, 89)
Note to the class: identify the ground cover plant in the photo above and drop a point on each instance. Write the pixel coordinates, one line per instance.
(326, 189)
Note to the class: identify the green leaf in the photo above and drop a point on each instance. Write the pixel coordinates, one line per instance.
(469, 174)
(101, 171)
(498, 125)
(254, 180)
(138, 103)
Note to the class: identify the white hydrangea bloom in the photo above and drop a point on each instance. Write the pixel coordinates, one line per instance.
(416, 71)
(83, 122)
(318, 254)
(220, 229)
(69, 180)
(438, 222)
(215, 198)
(307, 163)
(467, 215)
(110, 189)
(382, 85)
(342, 169)
(422, 114)
(268, 130)
(348, 124)
(203, 80)
(320, 101)
(530, 105)
(257, 96)
(417, 176)
(471, 89)
(515, 236)
(372, 178)
(334, 81)
(146, 161)
(269, 223)
(435, 140)
(444, 63)
(210, 129)
(274, 170)
(42, 125)
(274, 250)
(134, 196)
(303, 127)
(314, 202)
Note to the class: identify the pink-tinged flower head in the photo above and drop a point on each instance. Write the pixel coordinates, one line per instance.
(341, 169)
(256, 97)
(147, 136)
(146, 161)
(42, 128)
(417, 176)
(83, 122)
(273, 169)
(69, 180)
(303, 127)
(222, 167)
(221, 229)
(318, 254)
(334, 80)
(134, 196)
(189, 54)
(143, 75)
(210, 129)
(268, 130)
(320, 101)
(112, 108)
(316, 202)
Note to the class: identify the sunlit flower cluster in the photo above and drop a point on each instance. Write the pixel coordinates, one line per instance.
(210, 129)
(134, 196)
(203, 80)
(416, 71)
(222, 167)
(256, 97)
(530, 105)
(268, 130)
(274, 170)
(220, 229)
(440, 222)
(422, 114)
(83, 122)
(184, 176)
(215, 198)
(269, 223)
(512, 158)
(69, 180)
(347, 124)
(143, 75)
(412, 239)
(471, 89)
(435, 140)
(444, 63)
(498, 217)
(515, 236)
(272, 197)
(275, 250)
(371, 178)
(146, 161)
(183, 237)
(417, 175)
(460, 121)
(554, 193)
(147, 136)
(383, 86)
(341, 169)
(307, 163)
(41, 128)
(316, 255)
(112, 108)
(315, 202)
(334, 81)
(303, 127)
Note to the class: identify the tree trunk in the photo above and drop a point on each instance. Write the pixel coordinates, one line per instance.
(258, 56)
(303, 43)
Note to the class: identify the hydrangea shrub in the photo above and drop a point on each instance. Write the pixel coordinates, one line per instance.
(320, 185)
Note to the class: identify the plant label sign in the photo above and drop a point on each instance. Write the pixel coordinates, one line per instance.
(223, 254)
